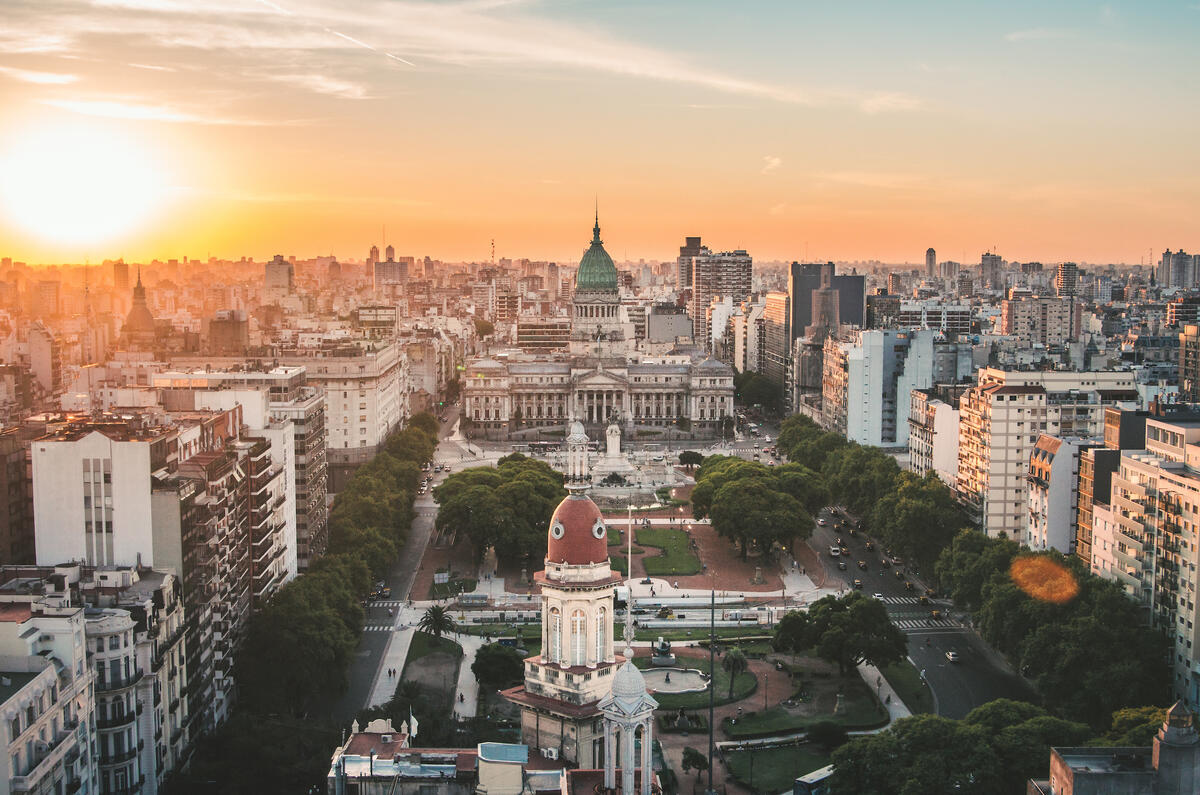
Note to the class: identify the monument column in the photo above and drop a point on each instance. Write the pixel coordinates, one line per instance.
(647, 765)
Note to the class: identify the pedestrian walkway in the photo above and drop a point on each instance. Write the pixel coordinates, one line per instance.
(466, 693)
(394, 655)
(925, 623)
(887, 695)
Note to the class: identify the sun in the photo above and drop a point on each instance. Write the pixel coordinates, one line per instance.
(78, 185)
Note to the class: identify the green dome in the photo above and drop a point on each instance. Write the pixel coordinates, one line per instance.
(596, 269)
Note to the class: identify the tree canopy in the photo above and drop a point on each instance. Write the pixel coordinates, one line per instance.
(852, 629)
(497, 667)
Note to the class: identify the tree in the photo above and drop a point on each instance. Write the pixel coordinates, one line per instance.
(437, 621)
(792, 633)
(497, 666)
(854, 629)
(453, 390)
(694, 760)
(918, 518)
(691, 459)
(1133, 726)
(751, 511)
(972, 561)
(827, 734)
(735, 664)
(758, 390)
(925, 753)
(426, 423)
(483, 328)
(805, 485)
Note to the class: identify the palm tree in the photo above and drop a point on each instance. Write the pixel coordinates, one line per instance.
(734, 663)
(437, 621)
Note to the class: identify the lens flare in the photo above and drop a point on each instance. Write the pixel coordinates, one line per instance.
(1044, 579)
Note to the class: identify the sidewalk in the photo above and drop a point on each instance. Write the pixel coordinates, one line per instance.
(394, 656)
(466, 693)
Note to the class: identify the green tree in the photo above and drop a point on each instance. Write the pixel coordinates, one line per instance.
(792, 633)
(735, 664)
(1133, 726)
(854, 629)
(973, 561)
(863, 475)
(691, 459)
(483, 328)
(827, 734)
(497, 667)
(922, 754)
(426, 423)
(805, 485)
(694, 760)
(437, 621)
(918, 518)
(453, 390)
(751, 511)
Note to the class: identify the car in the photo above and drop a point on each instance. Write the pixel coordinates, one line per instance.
(899, 574)
(842, 565)
(823, 522)
(924, 600)
(936, 615)
(834, 552)
(952, 656)
(862, 564)
(858, 584)
(885, 563)
(878, 596)
(839, 541)
(870, 545)
(908, 586)
(385, 593)
(845, 551)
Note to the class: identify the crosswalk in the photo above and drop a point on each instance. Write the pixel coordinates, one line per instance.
(384, 604)
(378, 628)
(924, 623)
(901, 600)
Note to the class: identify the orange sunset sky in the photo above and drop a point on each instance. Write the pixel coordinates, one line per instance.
(149, 128)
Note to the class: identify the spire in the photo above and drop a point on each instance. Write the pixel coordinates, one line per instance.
(596, 228)
(139, 281)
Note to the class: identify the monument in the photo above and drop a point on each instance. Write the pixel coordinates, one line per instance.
(613, 464)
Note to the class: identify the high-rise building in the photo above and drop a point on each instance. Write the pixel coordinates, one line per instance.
(1066, 279)
(806, 278)
(1054, 464)
(120, 271)
(1000, 420)
(1189, 364)
(777, 338)
(895, 284)
(1052, 322)
(683, 263)
(1123, 430)
(991, 271)
(372, 256)
(1177, 269)
(930, 263)
(16, 501)
(868, 380)
(279, 277)
(46, 299)
(725, 275)
(933, 433)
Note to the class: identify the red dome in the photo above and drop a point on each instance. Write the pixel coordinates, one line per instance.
(573, 533)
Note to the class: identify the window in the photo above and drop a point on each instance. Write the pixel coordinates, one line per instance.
(578, 639)
(15, 730)
(601, 634)
(555, 635)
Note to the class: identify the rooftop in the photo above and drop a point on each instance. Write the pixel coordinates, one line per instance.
(15, 681)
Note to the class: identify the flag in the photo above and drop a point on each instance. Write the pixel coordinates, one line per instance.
(412, 722)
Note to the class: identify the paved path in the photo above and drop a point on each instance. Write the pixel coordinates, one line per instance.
(466, 696)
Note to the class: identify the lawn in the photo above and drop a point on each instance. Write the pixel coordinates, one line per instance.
(444, 590)
(774, 769)
(677, 557)
(906, 681)
(618, 564)
(424, 644)
(860, 710)
(745, 684)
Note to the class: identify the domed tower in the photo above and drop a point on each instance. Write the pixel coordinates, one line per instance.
(596, 303)
(564, 684)
(138, 332)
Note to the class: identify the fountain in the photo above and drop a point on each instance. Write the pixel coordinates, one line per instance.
(661, 656)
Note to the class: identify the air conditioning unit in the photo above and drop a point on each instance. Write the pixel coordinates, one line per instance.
(385, 738)
(550, 753)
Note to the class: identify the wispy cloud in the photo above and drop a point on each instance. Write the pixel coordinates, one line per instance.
(483, 34)
(41, 78)
(323, 84)
(1038, 34)
(151, 67)
(124, 110)
(770, 163)
(888, 102)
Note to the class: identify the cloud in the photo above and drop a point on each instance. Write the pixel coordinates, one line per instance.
(777, 209)
(770, 163)
(889, 102)
(41, 78)
(124, 110)
(1038, 34)
(151, 67)
(484, 34)
(323, 84)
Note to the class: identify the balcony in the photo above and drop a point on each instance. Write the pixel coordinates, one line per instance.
(118, 759)
(117, 722)
(133, 788)
(120, 683)
(45, 761)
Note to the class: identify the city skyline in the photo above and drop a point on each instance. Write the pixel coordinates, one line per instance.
(144, 128)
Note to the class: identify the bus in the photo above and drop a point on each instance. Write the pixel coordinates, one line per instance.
(813, 783)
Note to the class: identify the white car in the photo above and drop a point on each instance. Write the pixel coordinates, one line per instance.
(834, 552)
(952, 656)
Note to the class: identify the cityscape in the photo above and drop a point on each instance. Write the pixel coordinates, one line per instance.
(519, 397)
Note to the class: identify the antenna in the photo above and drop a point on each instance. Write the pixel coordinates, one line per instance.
(493, 251)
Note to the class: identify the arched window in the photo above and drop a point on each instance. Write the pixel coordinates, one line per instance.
(578, 639)
(601, 634)
(555, 635)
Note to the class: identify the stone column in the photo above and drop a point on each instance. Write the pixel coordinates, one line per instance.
(610, 756)
(628, 758)
(647, 765)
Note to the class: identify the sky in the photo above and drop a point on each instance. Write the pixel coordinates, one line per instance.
(793, 129)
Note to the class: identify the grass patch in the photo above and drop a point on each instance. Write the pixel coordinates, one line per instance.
(745, 684)
(677, 557)
(774, 769)
(619, 565)
(860, 710)
(424, 644)
(445, 590)
(905, 679)
(614, 537)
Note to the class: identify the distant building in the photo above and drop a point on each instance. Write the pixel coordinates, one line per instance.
(1066, 279)
(683, 264)
(535, 335)
(229, 332)
(930, 263)
(726, 275)
(1051, 322)
(279, 278)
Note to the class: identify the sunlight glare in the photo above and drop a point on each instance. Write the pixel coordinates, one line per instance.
(78, 185)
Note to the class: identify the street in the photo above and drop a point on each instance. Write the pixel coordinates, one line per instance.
(981, 674)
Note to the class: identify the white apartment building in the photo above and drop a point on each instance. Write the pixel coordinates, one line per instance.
(46, 698)
(1000, 420)
(748, 330)
(933, 436)
(1053, 493)
(868, 380)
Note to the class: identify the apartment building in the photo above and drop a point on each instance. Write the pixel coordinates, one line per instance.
(16, 500)
(948, 318)
(366, 398)
(1052, 322)
(1123, 430)
(1001, 418)
(725, 275)
(933, 433)
(1053, 495)
(747, 333)
(868, 380)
